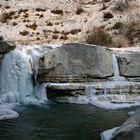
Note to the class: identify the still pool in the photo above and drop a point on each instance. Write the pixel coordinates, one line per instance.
(60, 121)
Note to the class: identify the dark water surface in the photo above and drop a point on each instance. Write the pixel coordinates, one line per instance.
(60, 121)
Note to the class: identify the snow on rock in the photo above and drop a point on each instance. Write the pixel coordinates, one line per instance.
(8, 114)
(106, 135)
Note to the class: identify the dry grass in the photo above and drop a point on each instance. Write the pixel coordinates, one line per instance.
(22, 11)
(64, 37)
(55, 36)
(117, 25)
(99, 37)
(32, 26)
(24, 33)
(75, 31)
(14, 23)
(49, 24)
(7, 16)
(119, 41)
(131, 31)
(57, 11)
(40, 9)
(79, 11)
(108, 15)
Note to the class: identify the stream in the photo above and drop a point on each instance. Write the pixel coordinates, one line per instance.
(61, 121)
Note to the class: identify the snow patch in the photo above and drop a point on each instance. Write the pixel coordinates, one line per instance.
(106, 135)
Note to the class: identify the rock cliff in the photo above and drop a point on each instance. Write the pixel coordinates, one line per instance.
(75, 62)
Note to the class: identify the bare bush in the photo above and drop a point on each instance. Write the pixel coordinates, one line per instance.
(119, 41)
(131, 30)
(99, 37)
(7, 16)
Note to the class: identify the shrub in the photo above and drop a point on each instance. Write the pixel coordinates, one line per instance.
(22, 11)
(79, 11)
(59, 12)
(57, 23)
(38, 33)
(7, 7)
(65, 32)
(40, 10)
(41, 16)
(32, 26)
(38, 38)
(117, 25)
(24, 33)
(108, 15)
(56, 32)
(107, 0)
(64, 37)
(131, 30)
(49, 24)
(26, 15)
(75, 31)
(7, 16)
(99, 37)
(14, 23)
(119, 41)
(55, 36)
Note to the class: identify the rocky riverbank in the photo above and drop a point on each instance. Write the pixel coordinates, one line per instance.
(130, 130)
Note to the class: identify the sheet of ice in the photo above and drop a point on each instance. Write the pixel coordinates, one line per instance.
(54, 46)
(101, 101)
(8, 114)
(8, 105)
(131, 113)
(109, 105)
(126, 50)
(106, 135)
(40, 92)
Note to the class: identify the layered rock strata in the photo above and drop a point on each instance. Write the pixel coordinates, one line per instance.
(75, 62)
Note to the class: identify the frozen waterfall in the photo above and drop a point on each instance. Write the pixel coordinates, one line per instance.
(16, 77)
(17, 70)
(116, 70)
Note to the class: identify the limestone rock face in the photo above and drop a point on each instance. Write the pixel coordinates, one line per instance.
(6, 46)
(130, 130)
(75, 62)
(129, 65)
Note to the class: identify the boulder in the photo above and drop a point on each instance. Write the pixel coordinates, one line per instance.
(74, 62)
(6, 46)
(129, 65)
(130, 130)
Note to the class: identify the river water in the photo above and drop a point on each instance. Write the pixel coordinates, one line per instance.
(61, 121)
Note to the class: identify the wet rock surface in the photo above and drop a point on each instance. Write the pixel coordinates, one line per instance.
(129, 64)
(130, 130)
(6, 46)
